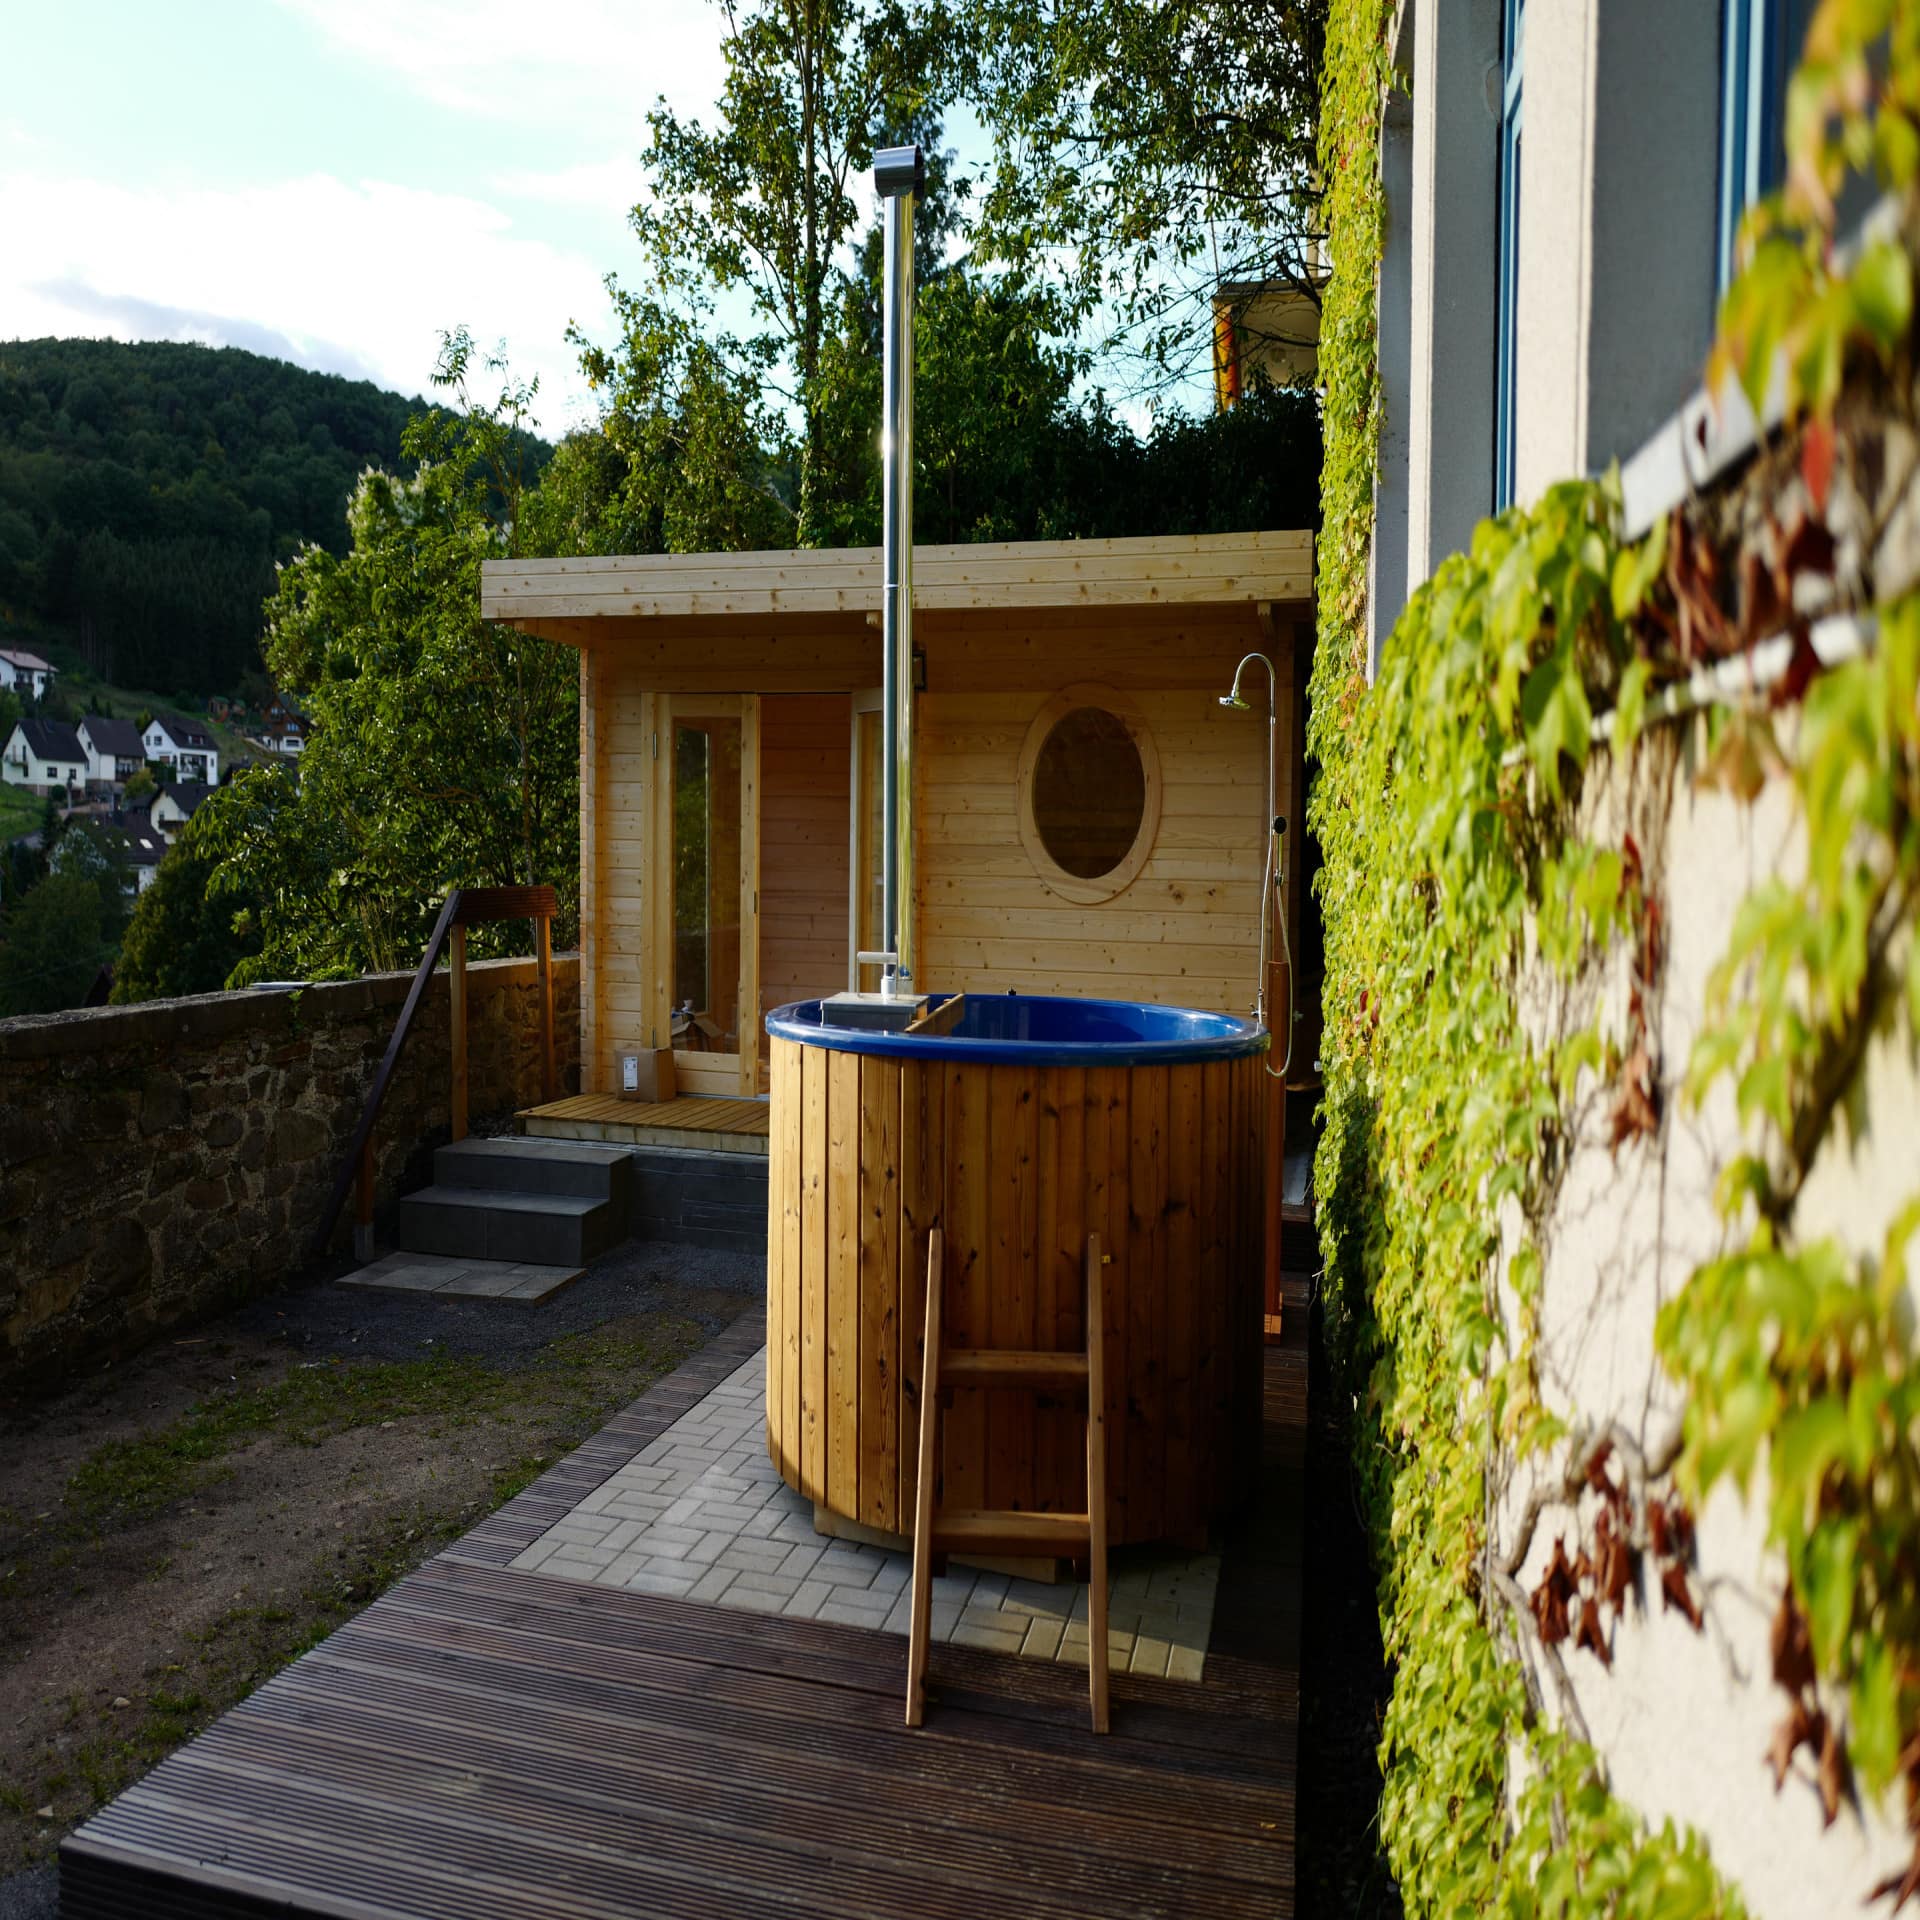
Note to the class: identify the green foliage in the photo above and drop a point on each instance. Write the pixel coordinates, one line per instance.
(147, 490)
(1443, 807)
(444, 751)
(52, 945)
(1853, 111)
(1146, 151)
(97, 854)
(761, 201)
(183, 936)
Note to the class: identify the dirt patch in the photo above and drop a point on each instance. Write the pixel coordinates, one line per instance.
(174, 1531)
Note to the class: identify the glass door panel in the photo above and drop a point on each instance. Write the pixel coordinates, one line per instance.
(706, 859)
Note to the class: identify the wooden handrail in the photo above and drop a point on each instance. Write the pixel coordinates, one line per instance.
(464, 907)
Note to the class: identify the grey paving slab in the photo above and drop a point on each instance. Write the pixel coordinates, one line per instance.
(460, 1277)
(702, 1514)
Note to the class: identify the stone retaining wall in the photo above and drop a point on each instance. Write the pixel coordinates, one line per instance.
(159, 1161)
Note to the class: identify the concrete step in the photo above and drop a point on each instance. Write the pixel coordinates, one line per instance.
(543, 1229)
(517, 1165)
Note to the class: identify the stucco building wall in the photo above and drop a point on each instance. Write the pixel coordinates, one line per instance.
(1683, 1719)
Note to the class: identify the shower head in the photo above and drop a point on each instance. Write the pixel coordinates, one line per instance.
(1234, 700)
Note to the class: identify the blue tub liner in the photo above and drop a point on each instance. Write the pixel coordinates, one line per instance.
(1040, 1030)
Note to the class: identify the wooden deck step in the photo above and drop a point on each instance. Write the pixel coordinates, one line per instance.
(1031, 1535)
(1013, 1368)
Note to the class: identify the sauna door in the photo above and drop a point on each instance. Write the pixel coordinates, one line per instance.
(707, 853)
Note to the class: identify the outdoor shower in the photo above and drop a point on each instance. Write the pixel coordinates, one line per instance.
(1272, 904)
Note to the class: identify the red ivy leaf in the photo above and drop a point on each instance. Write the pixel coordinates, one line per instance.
(1792, 1647)
(1803, 666)
(1899, 1887)
(1551, 1596)
(1674, 1592)
(1834, 1772)
(1590, 1635)
(1613, 1563)
(1816, 461)
(1798, 1729)
(1657, 1529)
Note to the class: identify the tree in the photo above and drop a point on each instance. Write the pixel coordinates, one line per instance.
(1147, 150)
(97, 854)
(762, 200)
(444, 751)
(51, 946)
(687, 458)
(993, 381)
(184, 936)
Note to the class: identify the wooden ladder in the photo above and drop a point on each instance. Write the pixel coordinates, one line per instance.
(939, 1531)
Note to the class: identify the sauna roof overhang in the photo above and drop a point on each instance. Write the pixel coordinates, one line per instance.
(563, 598)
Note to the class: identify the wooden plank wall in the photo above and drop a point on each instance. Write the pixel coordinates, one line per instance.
(805, 789)
(1018, 1166)
(1185, 932)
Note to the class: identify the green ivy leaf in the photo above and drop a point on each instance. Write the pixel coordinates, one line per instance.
(1630, 706)
(1875, 1700)
(1882, 288)
(1827, 1587)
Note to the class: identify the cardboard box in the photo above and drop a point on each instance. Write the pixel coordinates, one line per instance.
(648, 1075)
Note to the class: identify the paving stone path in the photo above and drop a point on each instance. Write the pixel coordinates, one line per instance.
(702, 1514)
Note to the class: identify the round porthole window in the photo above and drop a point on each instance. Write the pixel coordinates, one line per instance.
(1089, 793)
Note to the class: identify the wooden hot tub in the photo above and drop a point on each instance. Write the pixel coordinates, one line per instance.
(1034, 1123)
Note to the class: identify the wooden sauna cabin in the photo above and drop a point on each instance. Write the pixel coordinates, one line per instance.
(1088, 819)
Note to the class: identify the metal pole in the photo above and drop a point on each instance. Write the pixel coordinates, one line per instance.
(899, 174)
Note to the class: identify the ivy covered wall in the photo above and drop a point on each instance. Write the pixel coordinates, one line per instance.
(1622, 1022)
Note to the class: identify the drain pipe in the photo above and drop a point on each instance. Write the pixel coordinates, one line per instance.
(900, 175)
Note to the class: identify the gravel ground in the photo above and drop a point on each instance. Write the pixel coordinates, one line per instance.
(33, 1895)
(640, 1277)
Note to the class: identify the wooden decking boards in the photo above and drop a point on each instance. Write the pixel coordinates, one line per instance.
(487, 1742)
(712, 1126)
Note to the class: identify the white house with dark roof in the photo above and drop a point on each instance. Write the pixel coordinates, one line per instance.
(22, 672)
(42, 755)
(184, 745)
(115, 750)
(174, 806)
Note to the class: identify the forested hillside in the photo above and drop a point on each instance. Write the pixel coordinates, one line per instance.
(146, 491)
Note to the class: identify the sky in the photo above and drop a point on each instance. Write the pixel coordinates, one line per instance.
(336, 182)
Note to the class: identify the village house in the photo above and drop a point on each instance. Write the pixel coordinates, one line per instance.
(114, 750)
(283, 726)
(184, 745)
(26, 673)
(174, 806)
(44, 756)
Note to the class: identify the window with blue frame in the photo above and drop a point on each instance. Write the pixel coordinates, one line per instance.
(1760, 42)
(1512, 45)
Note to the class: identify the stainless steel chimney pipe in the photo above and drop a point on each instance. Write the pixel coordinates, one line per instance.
(899, 174)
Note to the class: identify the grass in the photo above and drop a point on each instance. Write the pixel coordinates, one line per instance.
(20, 812)
(566, 1386)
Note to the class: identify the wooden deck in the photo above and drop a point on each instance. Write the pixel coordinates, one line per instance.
(482, 1742)
(710, 1126)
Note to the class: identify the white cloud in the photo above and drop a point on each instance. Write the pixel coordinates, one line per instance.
(590, 67)
(599, 186)
(356, 277)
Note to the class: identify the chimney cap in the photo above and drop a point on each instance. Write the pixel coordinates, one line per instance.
(898, 170)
